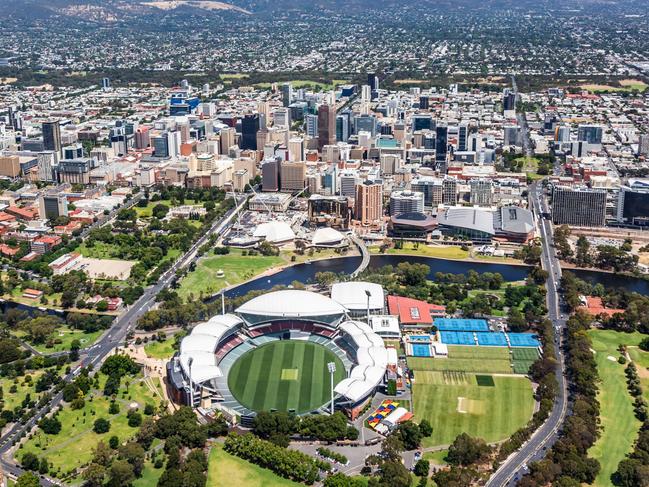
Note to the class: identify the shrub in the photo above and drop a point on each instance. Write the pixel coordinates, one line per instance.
(101, 426)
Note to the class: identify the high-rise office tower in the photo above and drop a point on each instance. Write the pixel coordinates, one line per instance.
(365, 123)
(270, 175)
(287, 94)
(249, 129)
(449, 191)
(581, 207)
(463, 136)
(368, 204)
(292, 175)
(422, 122)
(643, 145)
(282, 117)
(311, 125)
(509, 100)
(342, 128)
(373, 81)
(326, 126)
(52, 136)
(562, 133)
(511, 135)
(591, 134)
(46, 163)
(406, 202)
(481, 192)
(52, 206)
(105, 84)
(424, 102)
(296, 149)
(227, 139)
(142, 138)
(348, 181)
(74, 151)
(441, 143)
(366, 93)
(160, 145)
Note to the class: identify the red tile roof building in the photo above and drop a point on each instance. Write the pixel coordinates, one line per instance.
(413, 311)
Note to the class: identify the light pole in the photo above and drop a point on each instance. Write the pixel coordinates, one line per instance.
(368, 294)
(223, 301)
(331, 366)
(190, 361)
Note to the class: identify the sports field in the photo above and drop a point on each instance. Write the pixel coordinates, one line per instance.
(284, 375)
(619, 427)
(495, 360)
(489, 407)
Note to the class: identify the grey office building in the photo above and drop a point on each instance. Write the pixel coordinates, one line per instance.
(52, 136)
(580, 207)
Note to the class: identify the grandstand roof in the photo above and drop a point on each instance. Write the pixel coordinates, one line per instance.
(352, 295)
(203, 367)
(198, 343)
(291, 303)
(354, 389)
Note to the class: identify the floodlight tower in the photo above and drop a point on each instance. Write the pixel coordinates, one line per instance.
(369, 295)
(190, 361)
(331, 366)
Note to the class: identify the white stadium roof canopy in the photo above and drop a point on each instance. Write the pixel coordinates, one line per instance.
(291, 303)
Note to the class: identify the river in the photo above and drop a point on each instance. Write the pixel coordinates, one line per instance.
(306, 272)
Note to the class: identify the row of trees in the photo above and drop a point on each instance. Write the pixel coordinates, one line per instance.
(277, 427)
(610, 257)
(290, 464)
(568, 463)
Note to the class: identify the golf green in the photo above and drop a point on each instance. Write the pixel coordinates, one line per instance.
(284, 375)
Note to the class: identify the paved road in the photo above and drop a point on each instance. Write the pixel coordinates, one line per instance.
(112, 338)
(535, 448)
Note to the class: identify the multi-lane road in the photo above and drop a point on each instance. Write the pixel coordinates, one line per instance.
(112, 338)
(536, 447)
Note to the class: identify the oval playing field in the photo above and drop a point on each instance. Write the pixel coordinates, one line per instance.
(286, 375)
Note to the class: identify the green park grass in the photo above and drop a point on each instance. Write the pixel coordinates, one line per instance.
(284, 375)
(494, 360)
(146, 211)
(305, 83)
(619, 426)
(436, 458)
(62, 339)
(160, 350)
(12, 399)
(99, 250)
(440, 252)
(237, 268)
(237, 471)
(73, 446)
(491, 413)
(150, 476)
(233, 75)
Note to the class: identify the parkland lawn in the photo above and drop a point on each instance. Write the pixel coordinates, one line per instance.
(454, 403)
(73, 446)
(449, 252)
(619, 427)
(160, 350)
(237, 268)
(226, 469)
(61, 339)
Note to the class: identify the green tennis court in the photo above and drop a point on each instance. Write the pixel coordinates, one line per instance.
(284, 375)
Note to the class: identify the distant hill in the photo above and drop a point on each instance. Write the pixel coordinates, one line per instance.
(108, 11)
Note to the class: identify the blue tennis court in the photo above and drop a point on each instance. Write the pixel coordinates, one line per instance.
(489, 339)
(421, 350)
(523, 340)
(457, 337)
(460, 324)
